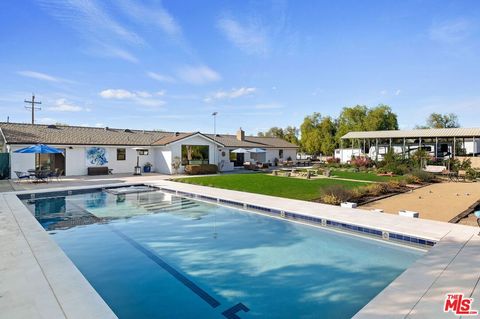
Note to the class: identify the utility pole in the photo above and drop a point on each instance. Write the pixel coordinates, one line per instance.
(214, 114)
(33, 107)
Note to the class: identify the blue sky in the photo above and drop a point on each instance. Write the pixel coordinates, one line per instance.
(169, 64)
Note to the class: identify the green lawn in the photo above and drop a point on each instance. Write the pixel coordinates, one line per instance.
(359, 176)
(270, 185)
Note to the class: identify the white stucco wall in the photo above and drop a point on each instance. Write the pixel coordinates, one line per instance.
(176, 148)
(19, 161)
(162, 160)
(76, 163)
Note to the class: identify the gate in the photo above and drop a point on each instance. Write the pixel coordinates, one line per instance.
(4, 165)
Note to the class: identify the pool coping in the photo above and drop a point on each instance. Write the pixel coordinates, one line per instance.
(418, 293)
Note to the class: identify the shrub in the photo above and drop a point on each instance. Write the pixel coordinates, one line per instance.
(419, 177)
(376, 189)
(201, 169)
(361, 161)
(472, 174)
(333, 160)
(411, 179)
(395, 185)
(335, 194)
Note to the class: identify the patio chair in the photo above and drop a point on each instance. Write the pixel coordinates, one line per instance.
(22, 175)
(41, 176)
(462, 174)
(55, 174)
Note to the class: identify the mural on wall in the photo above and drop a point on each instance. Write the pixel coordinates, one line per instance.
(96, 156)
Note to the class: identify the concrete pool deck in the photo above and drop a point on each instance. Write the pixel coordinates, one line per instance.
(38, 280)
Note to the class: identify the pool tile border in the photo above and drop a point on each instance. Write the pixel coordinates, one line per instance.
(47, 194)
(322, 222)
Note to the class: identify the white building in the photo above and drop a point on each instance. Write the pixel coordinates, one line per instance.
(118, 149)
(439, 143)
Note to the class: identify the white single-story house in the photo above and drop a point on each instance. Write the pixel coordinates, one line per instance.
(118, 149)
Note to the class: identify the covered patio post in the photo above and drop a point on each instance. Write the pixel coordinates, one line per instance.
(454, 146)
(376, 150)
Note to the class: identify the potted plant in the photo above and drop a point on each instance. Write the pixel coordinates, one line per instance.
(275, 161)
(147, 167)
(176, 164)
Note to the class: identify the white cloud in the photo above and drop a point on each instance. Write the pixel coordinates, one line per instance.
(198, 74)
(450, 32)
(139, 97)
(161, 77)
(151, 15)
(118, 94)
(250, 38)
(143, 94)
(61, 105)
(397, 92)
(90, 19)
(93, 22)
(383, 92)
(232, 94)
(105, 50)
(42, 76)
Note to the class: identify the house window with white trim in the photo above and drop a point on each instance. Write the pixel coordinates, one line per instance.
(121, 154)
(280, 153)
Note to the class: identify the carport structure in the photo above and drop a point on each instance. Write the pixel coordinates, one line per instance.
(444, 141)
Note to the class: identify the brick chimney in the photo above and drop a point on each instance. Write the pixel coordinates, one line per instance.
(241, 135)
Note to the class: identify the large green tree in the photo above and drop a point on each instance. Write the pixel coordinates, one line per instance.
(289, 134)
(437, 120)
(381, 118)
(328, 130)
(362, 118)
(311, 140)
(272, 132)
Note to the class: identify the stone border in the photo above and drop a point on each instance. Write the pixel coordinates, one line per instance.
(417, 242)
(37, 279)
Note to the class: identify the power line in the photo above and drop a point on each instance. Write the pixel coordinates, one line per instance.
(33, 107)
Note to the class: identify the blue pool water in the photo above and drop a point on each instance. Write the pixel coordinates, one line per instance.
(155, 255)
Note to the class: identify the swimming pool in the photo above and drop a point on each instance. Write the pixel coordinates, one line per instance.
(157, 255)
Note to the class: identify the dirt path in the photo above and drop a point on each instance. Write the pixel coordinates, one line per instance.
(441, 201)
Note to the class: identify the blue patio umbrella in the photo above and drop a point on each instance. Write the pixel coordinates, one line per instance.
(39, 149)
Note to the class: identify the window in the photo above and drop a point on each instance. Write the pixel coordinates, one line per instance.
(233, 156)
(195, 154)
(121, 154)
(142, 152)
(280, 153)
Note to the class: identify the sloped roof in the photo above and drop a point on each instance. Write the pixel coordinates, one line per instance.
(16, 133)
(424, 133)
(19, 133)
(251, 141)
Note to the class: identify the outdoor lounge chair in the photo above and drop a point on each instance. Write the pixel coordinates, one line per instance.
(249, 166)
(41, 176)
(22, 175)
(55, 174)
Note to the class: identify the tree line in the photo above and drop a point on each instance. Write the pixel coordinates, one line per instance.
(320, 134)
